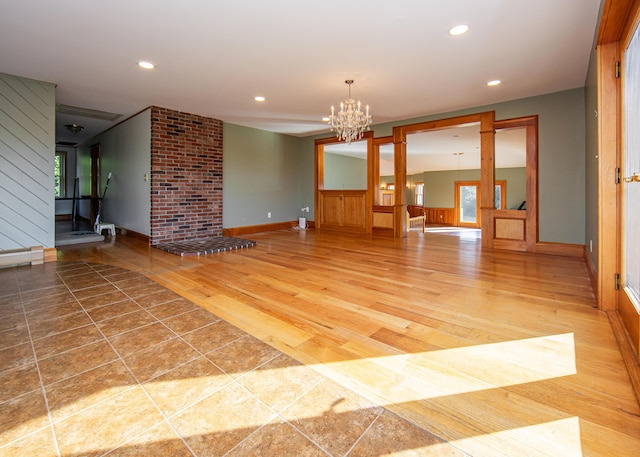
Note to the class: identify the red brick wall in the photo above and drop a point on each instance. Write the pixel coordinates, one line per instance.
(186, 176)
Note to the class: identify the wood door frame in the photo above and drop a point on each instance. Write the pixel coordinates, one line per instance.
(319, 181)
(456, 204)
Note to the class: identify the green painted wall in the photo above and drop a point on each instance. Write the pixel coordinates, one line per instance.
(261, 175)
(343, 172)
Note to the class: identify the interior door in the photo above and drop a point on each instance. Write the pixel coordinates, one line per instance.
(629, 227)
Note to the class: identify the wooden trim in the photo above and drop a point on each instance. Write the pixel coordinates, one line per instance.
(50, 255)
(591, 271)
(614, 18)
(440, 216)
(629, 354)
(561, 249)
(608, 159)
(249, 229)
(134, 234)
(63, 217)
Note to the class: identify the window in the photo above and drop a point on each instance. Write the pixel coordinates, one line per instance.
(419, 194)
(60, 166)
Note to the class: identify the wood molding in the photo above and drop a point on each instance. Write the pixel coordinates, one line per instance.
(591, 270)
(50, 255)
(134, 234)
(249, 229)
(561, 249)
(63, 217)
(629, 356)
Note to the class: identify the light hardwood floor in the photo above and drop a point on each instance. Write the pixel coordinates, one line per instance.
(499, 353)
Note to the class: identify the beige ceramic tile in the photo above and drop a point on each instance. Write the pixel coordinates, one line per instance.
(94, 291)
(16, 356)
(333, 417)
(242, 355)
(40, 444)
(35, 296)
(213, 336)
(391, 435)
(125, 323)
(10, 306)
(18, 381)
(73, 394)
(160, 441)
(75, 361)
(267, 382)
(42, 313)
(42, 329)
(137, 288)
(84, 280)
(107, 425)
(277, 439)
(159, 296)
(48, 301)
(221, 421)
(186, 385)
(14, 336)
(11, 321)
(56, 344)
(21, 416)
(159, 359)
(172, 308)
(113, 310)
(190, 321)
(141, 338)
(97, 301)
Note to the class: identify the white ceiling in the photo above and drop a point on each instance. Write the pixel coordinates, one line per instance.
(213, 57)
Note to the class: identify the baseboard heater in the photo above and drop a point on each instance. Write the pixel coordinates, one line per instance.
(25, 256)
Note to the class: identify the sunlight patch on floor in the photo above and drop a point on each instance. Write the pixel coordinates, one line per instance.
(558, 437)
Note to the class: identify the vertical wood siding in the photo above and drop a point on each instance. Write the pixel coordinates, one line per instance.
(27, 152)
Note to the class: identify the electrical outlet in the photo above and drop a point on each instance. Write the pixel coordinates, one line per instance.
(269, 215)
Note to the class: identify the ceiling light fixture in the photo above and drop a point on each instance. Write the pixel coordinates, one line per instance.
(74, 128)
(259, 98)
(495, 82)
(459, 30)
(146, 65)
(350, 122)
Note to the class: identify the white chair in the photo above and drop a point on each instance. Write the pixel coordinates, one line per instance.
(100, 226)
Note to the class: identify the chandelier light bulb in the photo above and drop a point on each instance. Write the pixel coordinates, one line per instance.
(350, 122)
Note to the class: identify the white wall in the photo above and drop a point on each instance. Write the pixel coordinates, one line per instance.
(27, 154)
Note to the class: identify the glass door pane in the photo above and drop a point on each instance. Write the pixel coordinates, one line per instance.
(468, 204)
(631, 166)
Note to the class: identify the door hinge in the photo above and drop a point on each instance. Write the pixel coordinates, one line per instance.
(618, 175)
(617, 69)
(617, 281)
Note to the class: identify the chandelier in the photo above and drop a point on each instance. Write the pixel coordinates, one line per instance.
(350, 122)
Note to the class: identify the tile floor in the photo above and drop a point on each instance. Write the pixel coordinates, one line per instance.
(97, 360)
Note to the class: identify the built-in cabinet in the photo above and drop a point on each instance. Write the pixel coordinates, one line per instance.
(343, 209)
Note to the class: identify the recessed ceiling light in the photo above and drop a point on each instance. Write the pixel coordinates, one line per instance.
(259, 98)
(458, 30)
(146, 65)
(495, 82)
